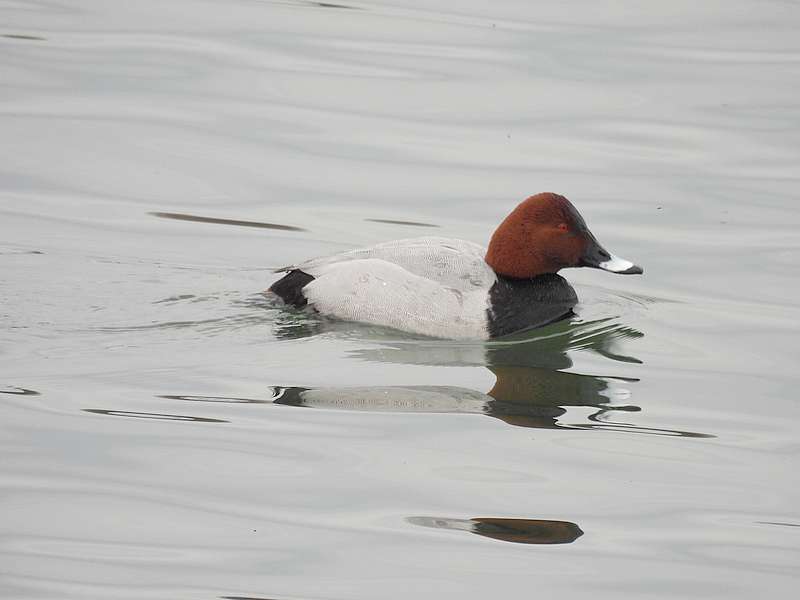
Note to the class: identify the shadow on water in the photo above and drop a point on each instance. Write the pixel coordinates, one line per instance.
(518, 531)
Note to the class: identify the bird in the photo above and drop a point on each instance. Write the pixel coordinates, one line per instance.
(456, 289)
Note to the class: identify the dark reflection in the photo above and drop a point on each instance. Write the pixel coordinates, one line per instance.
(393, 222)
(215, 399)
(312, 4)
(628, 428)
(537, 399)
(330, 5)
(546, 347)
(11, 389)
(19, 36)
(531, 387)
(174, 299)
(245, 598)
(157, 416)
(778, 523)
(237, 222)
(518, 531)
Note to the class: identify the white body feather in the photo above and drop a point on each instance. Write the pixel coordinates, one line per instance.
(431, 286)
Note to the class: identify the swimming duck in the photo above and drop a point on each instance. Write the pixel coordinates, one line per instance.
(456, 289)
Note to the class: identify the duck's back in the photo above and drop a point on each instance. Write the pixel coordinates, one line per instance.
(454, 263)
(433, 286)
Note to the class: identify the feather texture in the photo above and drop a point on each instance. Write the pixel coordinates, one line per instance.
(453, 263)
(431, 286)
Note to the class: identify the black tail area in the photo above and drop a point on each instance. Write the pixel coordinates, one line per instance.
(290, 396)
(290, 288)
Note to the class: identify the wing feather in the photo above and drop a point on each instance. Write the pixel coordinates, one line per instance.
(450, 262)
(379, 292)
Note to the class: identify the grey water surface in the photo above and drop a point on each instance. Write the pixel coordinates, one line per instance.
(168, 431)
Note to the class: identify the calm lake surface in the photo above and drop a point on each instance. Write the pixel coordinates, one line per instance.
(167, 431)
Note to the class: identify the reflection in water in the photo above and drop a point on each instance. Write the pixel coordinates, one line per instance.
(158, 416)
(535, 398)
(215, 399)
(292, 323)
(237, 222)
(19, 36)
(410, 223)
(312, 4)
(174, 299)
(628, 428)
(546, 347)
(531, 388)
(245, 598)
(11, 389)
(17, 252)
(518, 531)
(330, 5)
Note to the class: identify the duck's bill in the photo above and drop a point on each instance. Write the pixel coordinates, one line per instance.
(599, 258)
(615, 264)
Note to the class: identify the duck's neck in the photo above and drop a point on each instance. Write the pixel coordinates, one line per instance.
(510, 258)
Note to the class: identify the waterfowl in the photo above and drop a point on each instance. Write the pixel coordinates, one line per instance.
(456, 289)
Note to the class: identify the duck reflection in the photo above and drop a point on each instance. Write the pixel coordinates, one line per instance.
(531, 388)
(525, 397)
(518, 531)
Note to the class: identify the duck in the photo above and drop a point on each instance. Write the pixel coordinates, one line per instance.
(457, 289)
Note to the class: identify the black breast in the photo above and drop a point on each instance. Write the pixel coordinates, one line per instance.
(290, 287)
(518, 304)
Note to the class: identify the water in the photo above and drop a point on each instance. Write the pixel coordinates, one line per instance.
(169, 432)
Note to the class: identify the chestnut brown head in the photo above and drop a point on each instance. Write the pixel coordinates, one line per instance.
(544, 234)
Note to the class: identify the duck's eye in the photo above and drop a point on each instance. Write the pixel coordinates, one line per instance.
(562, 227)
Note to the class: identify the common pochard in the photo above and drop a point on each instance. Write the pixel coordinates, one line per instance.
(456, 289)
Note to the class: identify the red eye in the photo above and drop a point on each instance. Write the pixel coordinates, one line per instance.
(562, 226)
